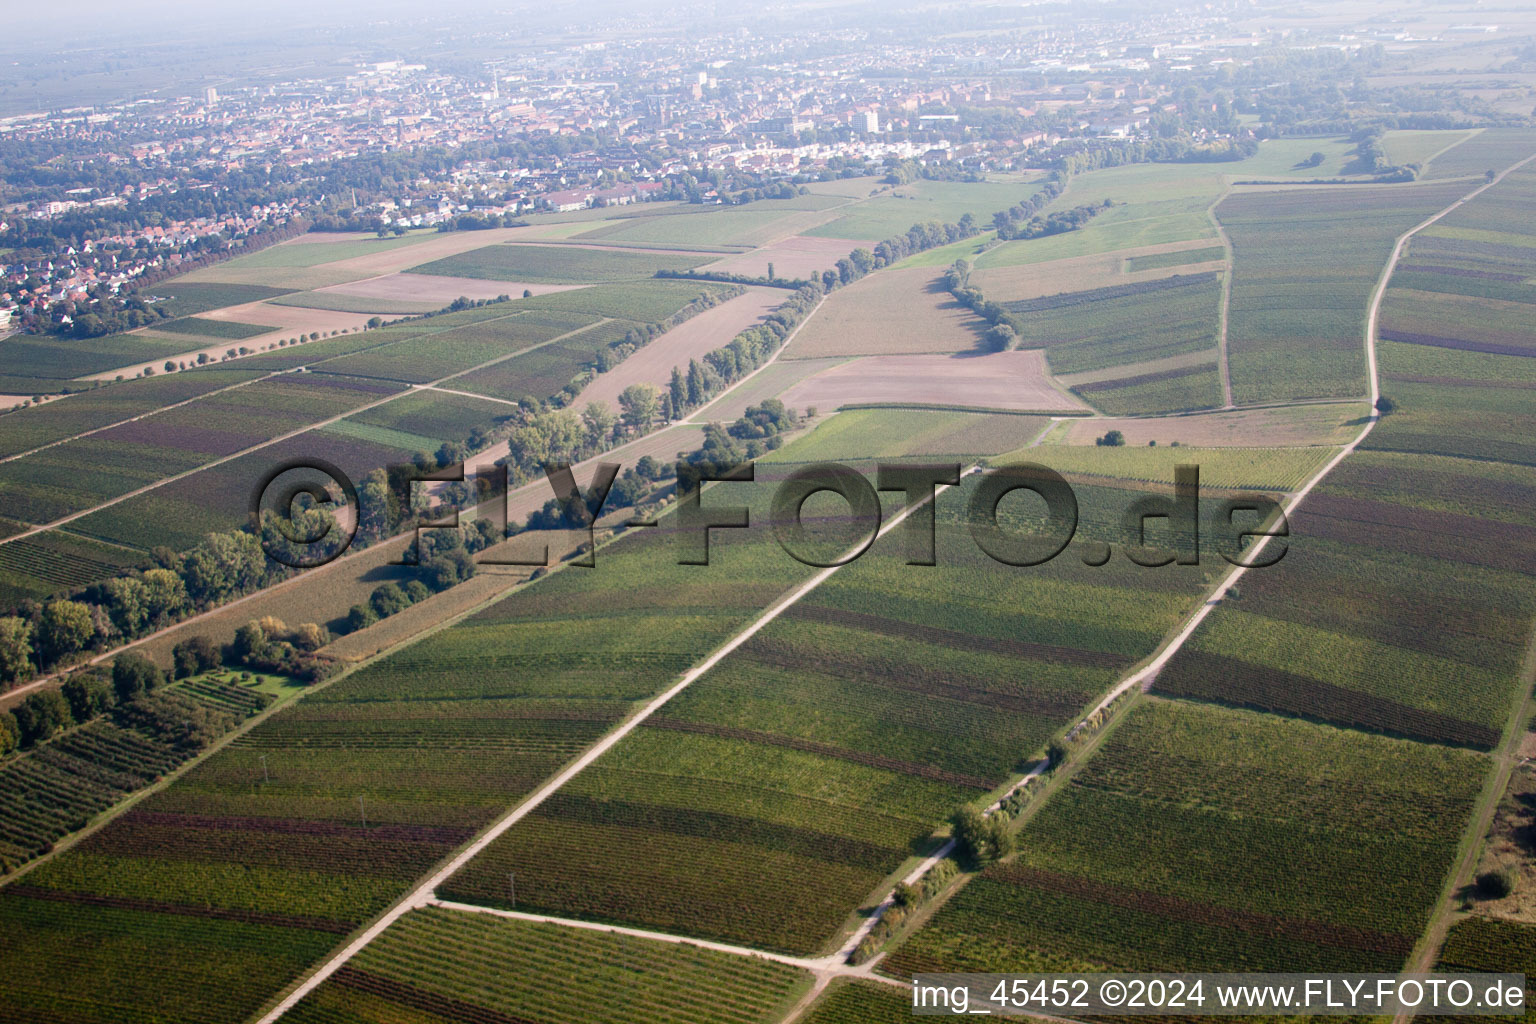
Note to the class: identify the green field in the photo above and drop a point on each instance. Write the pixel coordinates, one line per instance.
(444, 352)
(224, 886)
(557, 264)
(1304, 267)
(1178, 258)
(1155, 204)
(77, 474)
(185, 298)
(1127, 323)
(440, 965)
(1437, 504)
(24, 429)
(860, 434)
(715, 227)
(56, 562)
(1178, 390)
(315, 250)
(821, 755)
(56, 360)
(1491, 149)
(1263, 469)
(1201, 838)
(341, 303)
(860, 1002)
(896, 209)
(205, 328)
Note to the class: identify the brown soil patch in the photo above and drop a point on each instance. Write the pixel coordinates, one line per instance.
(890, 312)
(1001, 380)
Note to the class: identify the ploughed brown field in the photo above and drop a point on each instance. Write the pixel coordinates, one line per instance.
(999, 380)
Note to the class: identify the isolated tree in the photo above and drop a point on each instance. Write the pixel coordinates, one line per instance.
(1001, 337)
(1385, 406)
(1113, 439)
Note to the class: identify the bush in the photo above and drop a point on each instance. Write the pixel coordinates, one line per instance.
(1495, 885)
(310, 636)
(361, 617)
(387, 599)
(1113, 439)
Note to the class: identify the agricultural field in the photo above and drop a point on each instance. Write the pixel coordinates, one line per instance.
(1174, 258)
(1260, 469)
(446, 352)
(24, 429)
(438, 965)
(58, 561)
(1180, 389)
(1155, 205)
(1204, 838)
(1421, 147)
(1000, 380)
(821, 755)
(646, 301)
(1362, 648)
(187, 298)
(1333, 423)
(78, 474)
(1305, 263)
(428, 289)
(205, 328)
(1125, 323)
(717, 228)
(548, 368)
(1489, 149)
(54, 362)
(435, 415)
(770, 381)
(180, 513)
(894, 312)
(254, 864)
(692, 339)
(557, 264)
(58, 786)
(798, 256)
(1488, 945)
(896, 208)
(860, 1002)
(862, 434)
(1023, 281)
